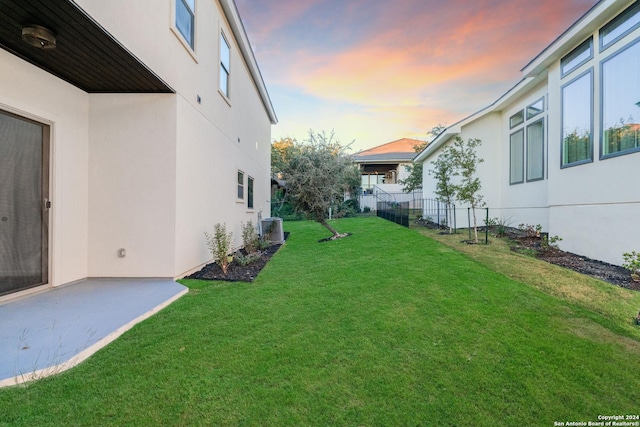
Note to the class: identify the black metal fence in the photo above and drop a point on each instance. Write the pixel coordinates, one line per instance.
(439, 212)
(397, 212)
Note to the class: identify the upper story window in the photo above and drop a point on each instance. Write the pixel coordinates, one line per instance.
(185, 20)
(577, 120)
(622, 25)
(620, 112)
(225, 67)
(577, 57)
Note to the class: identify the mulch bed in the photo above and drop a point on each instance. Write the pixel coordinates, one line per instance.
(610, 273)
(235, 271)
(613, 274)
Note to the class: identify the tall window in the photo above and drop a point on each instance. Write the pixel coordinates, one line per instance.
(249, 192)
(516, 152)
(240, 185)
(577, 120)
(535, 151)
(185, 19)
(225, 60)
(526, 144)
(621, 102)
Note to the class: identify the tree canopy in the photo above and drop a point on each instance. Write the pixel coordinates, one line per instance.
(318, 172)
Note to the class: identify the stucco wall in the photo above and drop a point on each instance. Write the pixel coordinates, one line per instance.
(132, 185)
(32, 93)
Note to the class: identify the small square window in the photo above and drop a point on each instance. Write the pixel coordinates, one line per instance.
(535, 108)
(516, 119)
(240, 185)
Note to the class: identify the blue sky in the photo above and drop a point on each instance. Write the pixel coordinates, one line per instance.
(376, 71)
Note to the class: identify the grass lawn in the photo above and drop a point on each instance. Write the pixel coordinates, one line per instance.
(384, 328)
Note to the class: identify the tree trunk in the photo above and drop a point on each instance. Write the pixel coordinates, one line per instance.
(333, 231)
(475, 223)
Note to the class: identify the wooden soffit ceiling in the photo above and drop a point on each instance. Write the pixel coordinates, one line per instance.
(86, 55)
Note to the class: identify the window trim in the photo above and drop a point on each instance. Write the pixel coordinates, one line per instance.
(603, 156)
(522, 166)
(563, 72)
(589, 72)
(617, 21)
(240, 186)
(542, 155)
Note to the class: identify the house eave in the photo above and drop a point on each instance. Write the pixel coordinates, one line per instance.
(593, 19)
(233, 17)
(86, 55)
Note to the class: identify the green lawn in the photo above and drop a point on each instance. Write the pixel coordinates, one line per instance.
(384, 328)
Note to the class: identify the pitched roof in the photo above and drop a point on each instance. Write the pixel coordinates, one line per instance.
(400, 150)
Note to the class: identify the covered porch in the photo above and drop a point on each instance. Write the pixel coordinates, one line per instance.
(49, 332)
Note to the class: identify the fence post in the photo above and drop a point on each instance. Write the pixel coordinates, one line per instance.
(486, 229)
(469, 221)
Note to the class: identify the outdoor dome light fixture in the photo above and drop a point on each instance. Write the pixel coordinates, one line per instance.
(39, 36)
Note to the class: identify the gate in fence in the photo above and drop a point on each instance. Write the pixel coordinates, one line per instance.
(397, 212)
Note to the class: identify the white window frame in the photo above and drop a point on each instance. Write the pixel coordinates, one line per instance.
(190, 44)
(240, 186)
(224, 69)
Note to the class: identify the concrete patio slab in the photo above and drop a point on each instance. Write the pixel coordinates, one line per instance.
(50, 332)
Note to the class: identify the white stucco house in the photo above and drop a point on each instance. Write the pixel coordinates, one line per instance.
(127, 129)
(562, 147)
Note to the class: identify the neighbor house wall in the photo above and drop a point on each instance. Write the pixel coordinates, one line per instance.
(29, 92)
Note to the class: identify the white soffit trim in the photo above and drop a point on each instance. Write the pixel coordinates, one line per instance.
(233, 16)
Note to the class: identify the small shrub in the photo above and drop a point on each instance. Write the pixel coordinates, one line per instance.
(491, 222)
(530, 230)
(502, 226)
(249, 237)
(551, 241)
(219, 244)
(244, 260)
(366, 209)
(632, 262)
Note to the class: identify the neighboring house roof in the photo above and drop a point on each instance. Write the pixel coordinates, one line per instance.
(401, 150)
(535, 71)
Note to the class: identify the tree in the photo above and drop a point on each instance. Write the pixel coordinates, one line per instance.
(466, 161)
(318, 173)
(281, 151)
(443, 171)
(414, 180)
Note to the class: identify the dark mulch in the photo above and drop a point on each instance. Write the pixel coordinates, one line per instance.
(235, 271)
(613, 274)
(610, 273)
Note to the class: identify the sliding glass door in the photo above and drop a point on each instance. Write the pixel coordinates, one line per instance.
(24, 174)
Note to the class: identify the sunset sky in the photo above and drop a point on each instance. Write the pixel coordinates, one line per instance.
(376, 71)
